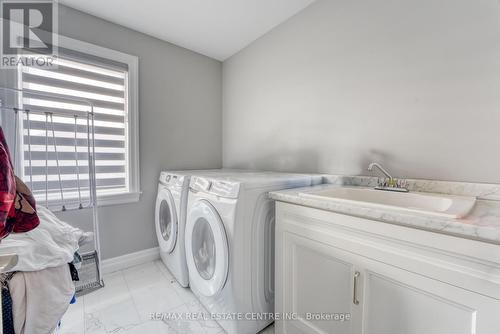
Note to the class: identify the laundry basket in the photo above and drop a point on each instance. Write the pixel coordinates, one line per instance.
(89, 274)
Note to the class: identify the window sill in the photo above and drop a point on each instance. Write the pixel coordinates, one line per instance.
(109, 199)
(117, 199)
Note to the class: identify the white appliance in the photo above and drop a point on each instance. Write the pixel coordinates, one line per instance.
(170, 219)
(230, 245)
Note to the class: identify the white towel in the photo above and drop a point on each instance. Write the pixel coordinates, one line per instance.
(40, 299)
(51, 244)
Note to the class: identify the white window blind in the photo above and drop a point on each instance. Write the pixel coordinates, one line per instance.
(62, 159)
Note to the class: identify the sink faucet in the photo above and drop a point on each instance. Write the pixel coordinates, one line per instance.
(392, 185)
(382, 169)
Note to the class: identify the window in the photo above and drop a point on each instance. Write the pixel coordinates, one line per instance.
(108, 79)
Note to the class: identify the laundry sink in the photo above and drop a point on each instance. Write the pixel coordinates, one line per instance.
(425, 203)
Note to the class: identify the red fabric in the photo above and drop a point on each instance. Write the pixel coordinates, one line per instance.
(26, 218)
(17, 204)
(7, 189)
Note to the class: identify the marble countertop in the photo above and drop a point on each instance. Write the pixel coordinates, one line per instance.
(482, 223)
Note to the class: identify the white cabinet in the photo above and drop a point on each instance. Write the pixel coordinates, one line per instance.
(398, 301)
(318, 282)
(332, 277)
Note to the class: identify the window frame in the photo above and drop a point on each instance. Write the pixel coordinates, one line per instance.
(132, 113)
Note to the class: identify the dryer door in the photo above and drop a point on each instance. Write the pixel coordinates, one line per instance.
(206, 249)
(166, 220)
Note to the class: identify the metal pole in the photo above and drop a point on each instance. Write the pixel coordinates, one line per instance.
(46, 160)
(77, 165)
(94, 201)
(57, 162)
(16, 134)
(89, 157)
(29, 148)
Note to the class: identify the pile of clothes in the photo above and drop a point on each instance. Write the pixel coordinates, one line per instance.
(39, 288)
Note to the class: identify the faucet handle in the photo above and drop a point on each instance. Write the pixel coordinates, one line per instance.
(393, 182)
(392, 185)
(382, 182)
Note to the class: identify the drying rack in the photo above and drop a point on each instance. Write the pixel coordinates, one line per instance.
(92, 258)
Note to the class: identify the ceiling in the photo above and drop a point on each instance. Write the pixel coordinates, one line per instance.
(215, 28)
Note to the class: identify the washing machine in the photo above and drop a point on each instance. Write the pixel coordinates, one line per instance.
(170, 217)
(230, 246)
(170, 220)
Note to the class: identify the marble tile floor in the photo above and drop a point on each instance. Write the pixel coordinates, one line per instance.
(129, 298)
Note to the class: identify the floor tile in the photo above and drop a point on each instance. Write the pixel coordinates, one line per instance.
(73, 321)
(112, 318)
(268, 330)
(163, 268)
(210, 326)
(129, 297)
(185, 294)
(183, 325)
(141, 276)
(114, 292)
(149, 327)
(160, 297)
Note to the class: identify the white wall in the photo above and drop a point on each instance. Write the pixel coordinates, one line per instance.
(412, 84)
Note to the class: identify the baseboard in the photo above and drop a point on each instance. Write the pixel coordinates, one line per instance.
(130, 260)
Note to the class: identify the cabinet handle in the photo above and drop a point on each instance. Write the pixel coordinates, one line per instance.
(355, 292)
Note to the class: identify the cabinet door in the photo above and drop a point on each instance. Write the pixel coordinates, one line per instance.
(315, 286)
(397, 301)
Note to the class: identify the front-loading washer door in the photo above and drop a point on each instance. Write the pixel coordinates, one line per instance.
(206, 249)
(166, 221)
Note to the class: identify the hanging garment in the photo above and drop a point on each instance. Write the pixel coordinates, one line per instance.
(77, 260)
(52, 244)
(7, 318)
(17, 214)
(7, 189)
(40, 299)
(73, 272)
(26, 217)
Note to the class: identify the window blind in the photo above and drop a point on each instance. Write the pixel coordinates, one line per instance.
(55, 140)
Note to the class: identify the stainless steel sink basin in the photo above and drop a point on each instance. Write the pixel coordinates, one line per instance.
(425, 203)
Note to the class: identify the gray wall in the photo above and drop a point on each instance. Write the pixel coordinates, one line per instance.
(180, 122)
(412, 84)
